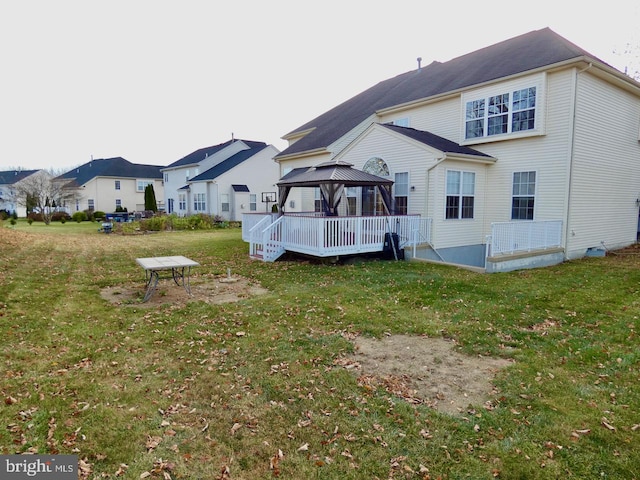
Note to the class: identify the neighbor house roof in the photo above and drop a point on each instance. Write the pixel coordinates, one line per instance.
(524, 53)
(14, 176)
(435, 141)
(201, 154)
(111, 167)
(231, 162)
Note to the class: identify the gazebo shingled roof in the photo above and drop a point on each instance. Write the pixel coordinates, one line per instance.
(331, 178)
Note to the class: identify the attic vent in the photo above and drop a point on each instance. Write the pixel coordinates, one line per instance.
(419, 59)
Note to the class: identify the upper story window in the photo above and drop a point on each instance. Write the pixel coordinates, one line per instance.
(117, 182)
(166, 177)
(499, 114)
(401, 122)
(142, 184)
(511, 109)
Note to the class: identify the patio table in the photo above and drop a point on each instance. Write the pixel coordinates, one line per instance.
(180, 271)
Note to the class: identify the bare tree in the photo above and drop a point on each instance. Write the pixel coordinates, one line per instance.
(630, 53)
(44, 192)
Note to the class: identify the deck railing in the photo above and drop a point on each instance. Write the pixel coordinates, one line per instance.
(328, 236)
(524, 236)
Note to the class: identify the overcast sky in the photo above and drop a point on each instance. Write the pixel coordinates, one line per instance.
(154, 80)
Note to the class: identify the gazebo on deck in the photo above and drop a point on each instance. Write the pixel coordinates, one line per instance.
(332, 178)
(326, 234)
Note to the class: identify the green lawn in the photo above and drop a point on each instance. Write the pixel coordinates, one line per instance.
(255, 389)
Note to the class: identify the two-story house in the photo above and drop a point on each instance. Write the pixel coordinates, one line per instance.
(108, 184)
(527, 149)
(223, 180)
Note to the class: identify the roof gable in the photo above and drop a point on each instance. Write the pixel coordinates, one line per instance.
(231, 162)
(199, 155)
(524, 53)
(435, 141)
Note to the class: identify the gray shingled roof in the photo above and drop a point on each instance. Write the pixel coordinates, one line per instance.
(13, 176)
(435, 141)
(232, 161)
(116, 167)
(526, 52)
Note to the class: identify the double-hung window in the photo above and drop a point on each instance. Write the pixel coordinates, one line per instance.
(253, 202)
(401, 192)
(198, 202)
(117, 184)
(182, 202)
(523, 195)
(224, 200)
(460, 194)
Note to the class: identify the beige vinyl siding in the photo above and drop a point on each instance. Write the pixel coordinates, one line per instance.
(604, 187)
(340, 144)
(440, 118)
(400, 155)
(458, 232)
(547, 155)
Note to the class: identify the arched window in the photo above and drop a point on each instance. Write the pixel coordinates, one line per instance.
(376, 166)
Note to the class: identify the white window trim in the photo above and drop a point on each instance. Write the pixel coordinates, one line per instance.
(460, 195)
(535, 196)
(539, 81)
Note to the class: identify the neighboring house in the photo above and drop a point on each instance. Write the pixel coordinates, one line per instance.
(108, 183)
(527, 150)
(224, 180)
(9, 182)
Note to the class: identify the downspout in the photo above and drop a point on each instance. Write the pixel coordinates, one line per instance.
(572, 141)
(426, 203)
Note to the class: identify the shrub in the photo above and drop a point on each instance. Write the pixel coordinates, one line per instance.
(4, 214)
(60, 217)
(34, 217)
(79, 217)
(98, 215)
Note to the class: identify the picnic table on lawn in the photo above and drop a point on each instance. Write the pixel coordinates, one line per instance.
(180, 271)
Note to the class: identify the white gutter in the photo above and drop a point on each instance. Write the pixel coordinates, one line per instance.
(572, 142)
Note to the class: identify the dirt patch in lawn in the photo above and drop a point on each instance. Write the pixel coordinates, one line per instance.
(427, 371)
(213, 290)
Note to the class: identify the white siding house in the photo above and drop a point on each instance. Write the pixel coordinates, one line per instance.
(224, 180)
(530, 135)
(9, 186)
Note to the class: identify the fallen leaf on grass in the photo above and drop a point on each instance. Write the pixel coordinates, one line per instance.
(235, 428)
(152, 442)
(273, 463)
(607, 425)
(303, 448)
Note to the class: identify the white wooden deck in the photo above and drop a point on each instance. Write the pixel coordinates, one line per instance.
(270, 235)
